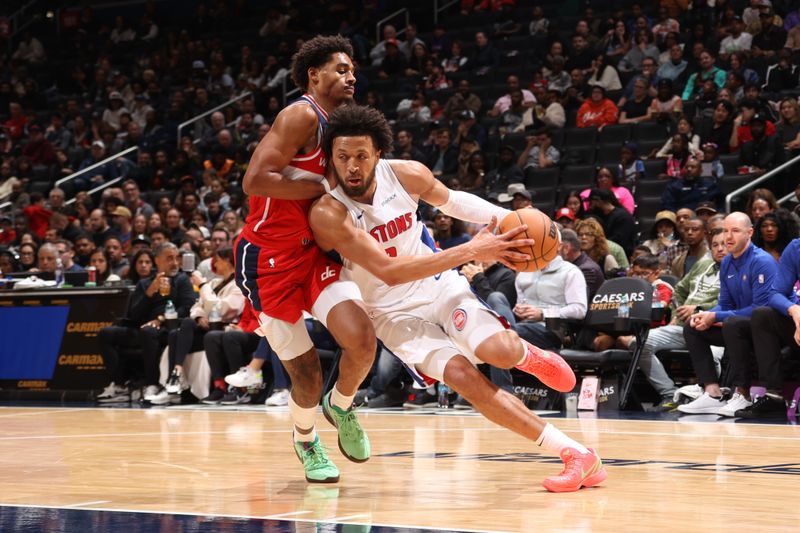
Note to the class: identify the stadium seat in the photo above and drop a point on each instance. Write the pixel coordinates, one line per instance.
(654, 167)
(616, 133)
(602, 317)
(730, 162)
(577, 177)
(650, 131)
(580, 136)
(537, 178)
(651, 187)
(730, 182)
(608, 154)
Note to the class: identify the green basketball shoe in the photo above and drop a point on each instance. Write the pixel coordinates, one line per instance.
(353, 442)
(319, 468)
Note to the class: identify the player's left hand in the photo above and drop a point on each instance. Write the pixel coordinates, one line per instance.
(488, 247)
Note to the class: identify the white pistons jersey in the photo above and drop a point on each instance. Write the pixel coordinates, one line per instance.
(391, 219)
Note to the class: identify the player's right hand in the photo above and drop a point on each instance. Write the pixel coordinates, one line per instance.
(489, 247)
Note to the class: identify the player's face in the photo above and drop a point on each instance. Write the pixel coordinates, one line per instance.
(354, 160)
(336, 78)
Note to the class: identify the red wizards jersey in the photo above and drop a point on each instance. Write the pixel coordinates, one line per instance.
(283, 224)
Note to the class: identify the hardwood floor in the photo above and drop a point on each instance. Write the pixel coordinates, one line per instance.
(427, 470)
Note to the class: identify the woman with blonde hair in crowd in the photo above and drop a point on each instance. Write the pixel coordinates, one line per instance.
(789, 126)
(594, 243)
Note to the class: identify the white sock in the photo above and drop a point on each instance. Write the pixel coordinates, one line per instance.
(524, 353)
(340, 400)
(304, 419)
(553, 440)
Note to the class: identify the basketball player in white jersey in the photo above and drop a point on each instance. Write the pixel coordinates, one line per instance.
(436, 325)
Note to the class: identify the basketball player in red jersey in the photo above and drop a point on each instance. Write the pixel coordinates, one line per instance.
(283, 272)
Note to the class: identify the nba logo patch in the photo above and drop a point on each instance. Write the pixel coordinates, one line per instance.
(761, 279)
(459, 319)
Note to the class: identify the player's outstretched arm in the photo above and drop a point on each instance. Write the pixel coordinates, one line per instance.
(334, 230)
(418, 181)
(290, 133)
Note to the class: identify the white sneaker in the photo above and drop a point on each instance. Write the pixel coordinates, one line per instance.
(150, 392)
(278, 398)
(245, 377)
(736, 402)
(165, 398)
(175, 383)
(113, 394)
(704, 405)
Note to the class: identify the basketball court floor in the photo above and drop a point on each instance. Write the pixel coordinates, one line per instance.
(198, 468)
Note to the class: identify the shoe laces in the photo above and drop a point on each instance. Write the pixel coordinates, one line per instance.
(314, 455)
(349, 425)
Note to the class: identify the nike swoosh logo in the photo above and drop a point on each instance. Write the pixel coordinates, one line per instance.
(730, 276)
(360, 215)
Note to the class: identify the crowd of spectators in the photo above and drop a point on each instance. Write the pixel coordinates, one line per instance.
(602, 118)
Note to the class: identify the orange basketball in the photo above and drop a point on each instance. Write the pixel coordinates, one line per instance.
(541, 229)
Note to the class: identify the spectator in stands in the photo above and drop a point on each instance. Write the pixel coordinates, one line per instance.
(594, 244)
(468, 128)
(774, 231)
(631, 168)
(37, 214)
(643, 47)
(708, 71)
(67, 255)
(472, 178)
(789, 127)
(550, 112)
(100, 259)
(456, 60)
(618, 223)
(121, 221)
(394, 62)
(574, 202)
(678, 158)
(694, 236)
(782, 76)
(663, 235)
(597, 111)
(604, 178)
(517, 117)
(404, 144)
(46, 259)
(504, 102)
(29, 50)
(485, 56)
(8, 262)
(737, 40)
(506, 171)
(718, 129)
(463, 100)
(443, 156)
(98, 225)
(581, 55)
(691, 190)
(38, 149)
(698, 290)
(118, 263)
(604, 75)
(560, 287)
(142, 262)
(449, 231)
(763, 152)
(746, 278)
(759, 203)
(27, 256)
(674, 69)
(539, 152)
(742, 133)
(637, 108)
(616, 42)
(100, 175)
(84, 246)
(146, 318)
(571, 251)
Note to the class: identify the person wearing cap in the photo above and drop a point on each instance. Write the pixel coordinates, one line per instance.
(706, 210)
(737, 40)
(121, 221)
(468, 127)
(378, 52)
(518, 195)
(97, 176)
(597, 111)
(618, 224)
(768, 34)
(116, 107)
(506, 170)
(565, 218)
(691, 190)
(663, 234)
(763, 152)
(139, 242)
(394, 62)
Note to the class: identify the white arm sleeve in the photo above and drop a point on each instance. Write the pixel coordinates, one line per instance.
(470, 208)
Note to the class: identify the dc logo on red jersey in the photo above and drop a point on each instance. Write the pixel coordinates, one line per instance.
(329, 273)
(459, 319)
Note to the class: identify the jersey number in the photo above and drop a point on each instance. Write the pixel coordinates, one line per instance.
(391, 252)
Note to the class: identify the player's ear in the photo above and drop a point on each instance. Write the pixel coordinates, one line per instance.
(313, 74)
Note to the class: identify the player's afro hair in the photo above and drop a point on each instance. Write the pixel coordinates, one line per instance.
(356, 121)
(314, 53)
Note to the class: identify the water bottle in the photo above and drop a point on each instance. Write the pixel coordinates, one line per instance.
(215, 317)
(444, 396)
(171, 315)
(59, 272)
(624, 310)
(658, 303)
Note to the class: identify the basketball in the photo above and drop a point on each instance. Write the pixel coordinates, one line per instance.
(541, 229)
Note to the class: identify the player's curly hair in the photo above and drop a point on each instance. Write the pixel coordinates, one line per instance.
(356, 121)
(316, 52)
